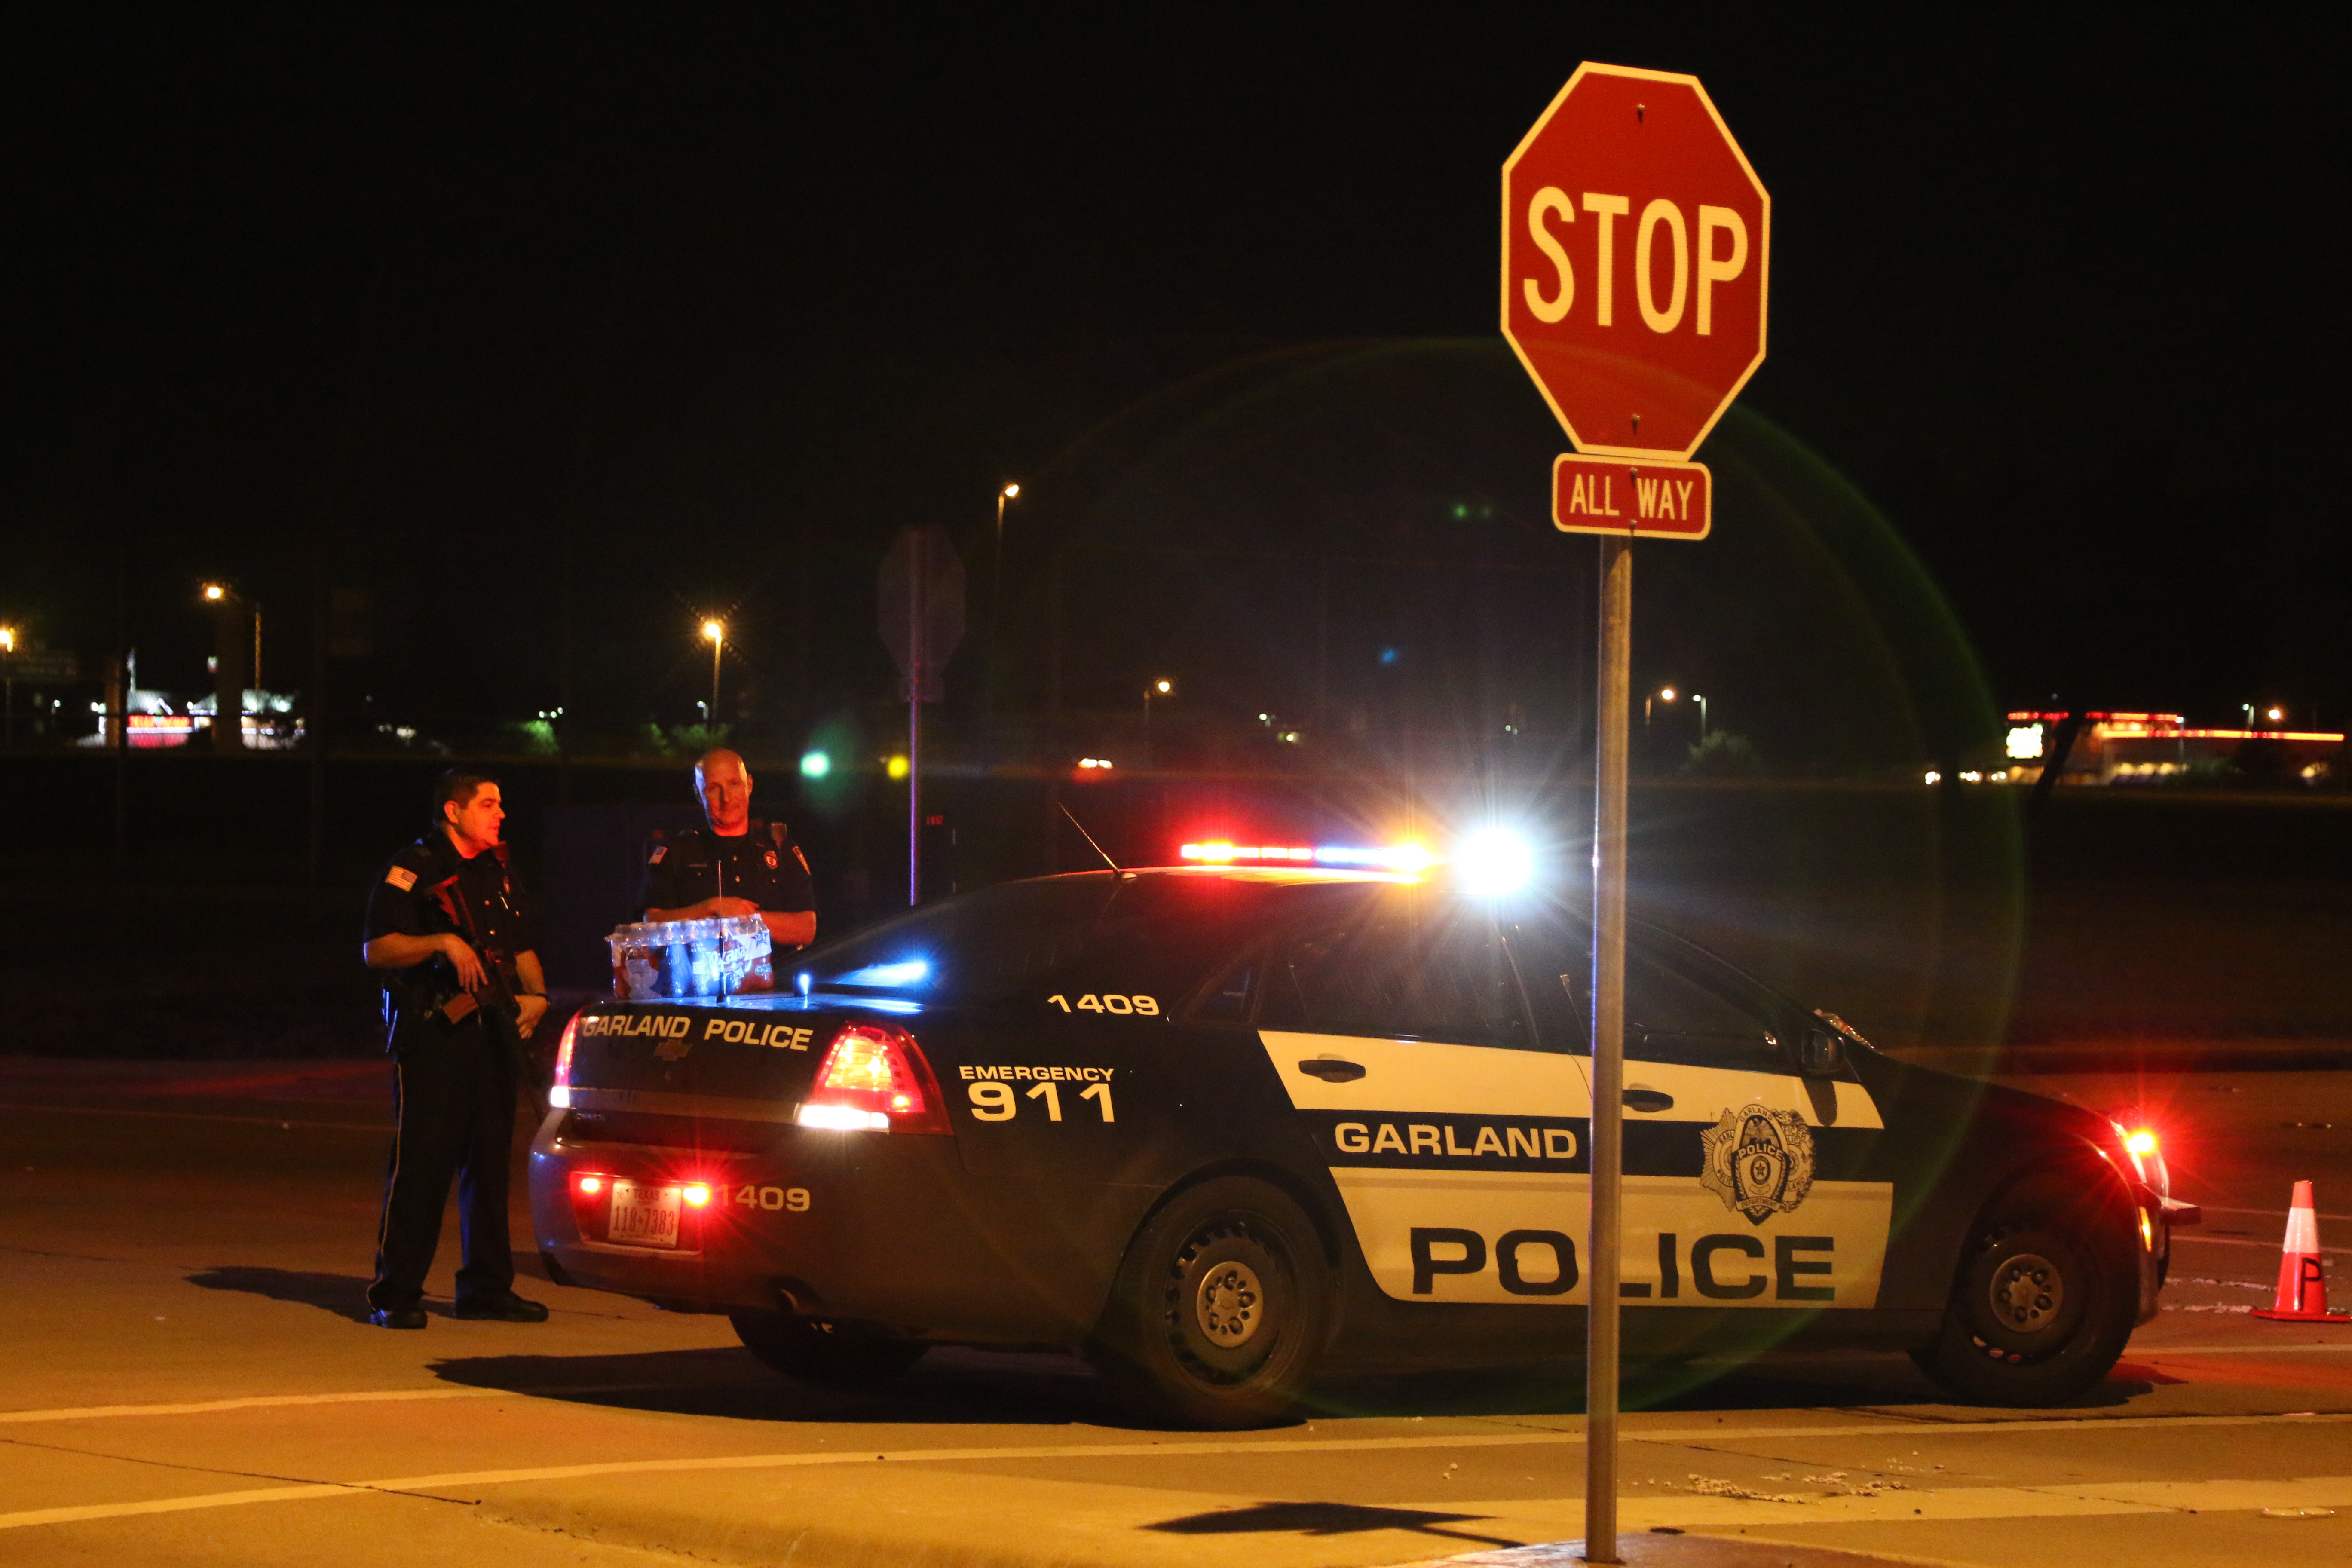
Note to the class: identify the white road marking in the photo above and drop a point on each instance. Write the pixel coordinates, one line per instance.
(1645, 1512)
(2169, 1351)
(1712, 1437)
(255, 1402)
(2277, 1214)
(278, 1121)
(2180, 1237)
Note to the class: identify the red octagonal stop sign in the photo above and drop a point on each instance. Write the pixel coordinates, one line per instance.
(1635, 244)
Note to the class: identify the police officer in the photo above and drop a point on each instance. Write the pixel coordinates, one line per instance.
(449, 938)
(736, 865)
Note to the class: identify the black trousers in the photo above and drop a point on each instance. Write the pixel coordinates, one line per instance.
(455, 1093)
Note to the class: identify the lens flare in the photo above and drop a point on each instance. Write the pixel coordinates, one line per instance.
(1494, 862)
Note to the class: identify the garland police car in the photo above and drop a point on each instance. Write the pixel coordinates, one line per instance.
(1223, 1125)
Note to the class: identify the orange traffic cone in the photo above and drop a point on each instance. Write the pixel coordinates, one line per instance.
(2302, 1287)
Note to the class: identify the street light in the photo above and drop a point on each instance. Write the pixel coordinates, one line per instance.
(222, 595)
(1702, 716)
(8, 647)
(1663, 694)
(1161, 687)
(716, 630)
(1005, 493)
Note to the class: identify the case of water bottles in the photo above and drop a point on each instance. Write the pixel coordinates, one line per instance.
(692, 958)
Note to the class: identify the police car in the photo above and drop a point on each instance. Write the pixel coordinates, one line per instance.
(1222, 1126)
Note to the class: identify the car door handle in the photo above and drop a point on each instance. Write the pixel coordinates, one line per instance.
(1331, 1070)
(1648, 1100)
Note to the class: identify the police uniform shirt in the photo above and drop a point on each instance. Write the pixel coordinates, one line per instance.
(762, 865)
(428, 889)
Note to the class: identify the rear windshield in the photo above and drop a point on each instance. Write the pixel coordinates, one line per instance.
(993, 944)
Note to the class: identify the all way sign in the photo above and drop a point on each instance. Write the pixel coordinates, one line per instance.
(1645, 501)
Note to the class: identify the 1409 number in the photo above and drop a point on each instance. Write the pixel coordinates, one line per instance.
(790, 1200)
(1106, 1003)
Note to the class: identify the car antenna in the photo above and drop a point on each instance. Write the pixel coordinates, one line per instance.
(1090, 840)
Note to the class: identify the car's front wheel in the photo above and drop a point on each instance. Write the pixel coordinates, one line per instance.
(1221, 1309)
(2047, 1295)
(821, 1355)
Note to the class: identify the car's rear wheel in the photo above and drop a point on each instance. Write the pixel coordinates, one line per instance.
(1221, 1309)
(2047, 1296)
(821, 1354)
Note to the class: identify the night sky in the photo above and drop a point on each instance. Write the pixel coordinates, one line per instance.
(716, 300)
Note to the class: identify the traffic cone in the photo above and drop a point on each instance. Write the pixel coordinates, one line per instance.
(2302, 1287)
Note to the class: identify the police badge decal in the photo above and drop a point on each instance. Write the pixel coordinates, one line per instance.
(1760, 1162)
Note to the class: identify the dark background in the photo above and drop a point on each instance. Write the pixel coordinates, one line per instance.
(530, 337)
(691, 310)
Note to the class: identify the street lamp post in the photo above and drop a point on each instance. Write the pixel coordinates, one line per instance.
(716, 630)
(1005, 492)
(8, 649)
(1161, 688)
(1702, 717)
(228, 689)
(1663, 694)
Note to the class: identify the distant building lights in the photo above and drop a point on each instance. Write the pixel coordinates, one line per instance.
(1101, 763)
(2026, 743)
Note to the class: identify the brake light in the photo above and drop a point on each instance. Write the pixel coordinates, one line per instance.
(558, 1094)
(874, 1078)
(696, 1194)
(2140, 1141)
(591, 1186)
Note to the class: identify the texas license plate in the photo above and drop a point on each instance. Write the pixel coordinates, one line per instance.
(644, 1216)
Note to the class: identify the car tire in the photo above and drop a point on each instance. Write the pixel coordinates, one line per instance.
(2048, 1293)
(820, 1355)
(1220, 1311)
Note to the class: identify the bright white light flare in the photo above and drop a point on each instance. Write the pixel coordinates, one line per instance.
(1493, 861)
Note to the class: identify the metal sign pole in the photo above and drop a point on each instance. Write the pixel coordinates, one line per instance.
(1603, 1244)
(916, 582)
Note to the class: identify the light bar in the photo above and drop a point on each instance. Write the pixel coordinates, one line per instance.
(1390, 858)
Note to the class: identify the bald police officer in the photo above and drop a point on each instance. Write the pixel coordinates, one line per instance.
(736, 864)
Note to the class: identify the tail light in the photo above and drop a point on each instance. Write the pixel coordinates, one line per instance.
(874, 1078)
(559, 1093)
(2143, 1148)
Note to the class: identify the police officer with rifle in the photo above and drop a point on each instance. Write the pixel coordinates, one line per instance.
(449, 940)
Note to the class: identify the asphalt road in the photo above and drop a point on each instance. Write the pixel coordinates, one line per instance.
(189, 1381)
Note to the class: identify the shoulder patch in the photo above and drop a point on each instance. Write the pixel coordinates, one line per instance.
(401, 877)
(656, 857)
(802, 859)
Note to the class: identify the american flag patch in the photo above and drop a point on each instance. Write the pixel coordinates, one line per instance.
(401, 877)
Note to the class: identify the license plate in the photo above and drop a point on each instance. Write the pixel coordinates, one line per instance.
(644, 1216)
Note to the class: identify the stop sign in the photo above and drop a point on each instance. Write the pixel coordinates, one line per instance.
(1635, 244)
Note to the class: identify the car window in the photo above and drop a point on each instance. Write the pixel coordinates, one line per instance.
(1671, 1016)
(1227, 998)
(1555, 964)
(1412, 968)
